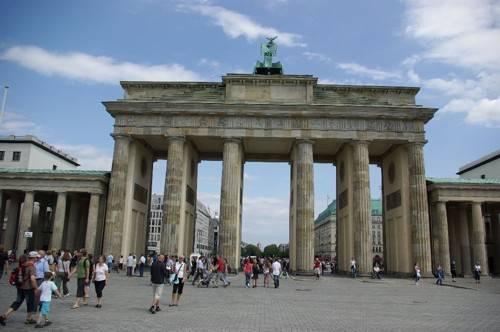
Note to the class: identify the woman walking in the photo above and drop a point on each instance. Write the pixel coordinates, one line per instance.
(255, 271)
(178, 281)
(266, 271)
(317, 268)
(477, 272)
(247, 268)
(100, 277)
(62, 272)
(417, 274)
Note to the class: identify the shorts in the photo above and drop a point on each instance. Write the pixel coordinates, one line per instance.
(45, 308)
(157, 290)
(177, 289)
(80, 290)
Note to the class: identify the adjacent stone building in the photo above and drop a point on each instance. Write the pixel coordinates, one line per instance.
(325, 231)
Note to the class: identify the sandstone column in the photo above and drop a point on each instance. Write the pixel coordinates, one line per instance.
(419, 212)
(25, 220)
(115, 213)
(2, 209)
(362, 207)
(304, 249)
(230, 199)
(442, 236)
(478, 238)
(465, 253)
(59, 218)
(12, 213)
(172, 232)
(90, 236)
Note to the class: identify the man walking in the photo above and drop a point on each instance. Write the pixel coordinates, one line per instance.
(276, 273)
(200, 267)
(130, 264)
(109, 261)
(158, 276)
(142, 263)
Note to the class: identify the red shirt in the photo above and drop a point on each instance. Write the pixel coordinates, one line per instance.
(221, 267)
(247, 268)
(317, 264)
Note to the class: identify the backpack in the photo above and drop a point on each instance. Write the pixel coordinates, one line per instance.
(16, 277)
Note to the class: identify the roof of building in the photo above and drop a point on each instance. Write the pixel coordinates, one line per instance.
(479, 162)
(58, 171)
(463, 181)
(332, 210)
(41, 144)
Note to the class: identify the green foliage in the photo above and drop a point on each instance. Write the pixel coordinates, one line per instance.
(250, 250)
(271, 250)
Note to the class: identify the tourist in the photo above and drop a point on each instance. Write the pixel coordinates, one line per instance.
(477, 272)
(221, 271)
(91, 273)
(158, 275)
(41, 266)
(200, 269)
(134, 265)
(266, 271)
(142, 263)
(317, 268)
(74, 259)
(120, 263)
(276, 273)
(439, 275)
(192, 271)
(25, 287)
(4, 258)
(100, 277)
(50, 260)
(255, 273)
(109, 261)
(178, 282)
(418, 275)
(353, 268)
(376, 271)
(323, 267)
(130, 264)
(453, 269)
(46, 289)
(227, 270)
(62, 272)
(82, 271)
(247, 269)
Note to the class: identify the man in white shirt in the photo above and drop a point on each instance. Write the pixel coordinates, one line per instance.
(200, 267)
(130, 264)
(109, 262)
(276, 273)
(142, 263)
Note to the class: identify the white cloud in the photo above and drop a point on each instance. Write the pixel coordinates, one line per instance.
(459, 32)
(91, 68)
(17, 124)
(89, 156)
(237, 25)
(313, 56)
(209, 63)
(375, 74)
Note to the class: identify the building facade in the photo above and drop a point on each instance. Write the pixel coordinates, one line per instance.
(202, 234)
(155, 222)
(325, 231)
(28, 152)
(486, 167)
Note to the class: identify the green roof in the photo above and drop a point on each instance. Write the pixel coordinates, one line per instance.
(332, 210)
(463, 181)
(49, 171)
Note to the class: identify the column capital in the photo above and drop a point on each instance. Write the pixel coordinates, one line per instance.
(360, 142)
(415, 143)
(303, 141)
(231, 139)
(175, 138)
(121, 136)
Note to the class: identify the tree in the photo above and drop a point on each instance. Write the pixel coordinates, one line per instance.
(250, 250)
(271, 250)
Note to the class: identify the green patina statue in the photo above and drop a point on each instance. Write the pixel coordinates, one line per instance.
(268, 67)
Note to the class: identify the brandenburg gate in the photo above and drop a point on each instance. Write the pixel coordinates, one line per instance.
(291, 118)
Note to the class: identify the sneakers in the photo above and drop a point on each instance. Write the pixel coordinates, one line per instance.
(158, 308)
(152, 310)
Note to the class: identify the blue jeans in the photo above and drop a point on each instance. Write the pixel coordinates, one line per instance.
(276, 279)
(353, 271)
(141, 270)
(247, 279)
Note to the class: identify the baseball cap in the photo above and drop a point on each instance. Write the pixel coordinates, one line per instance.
(33, 254)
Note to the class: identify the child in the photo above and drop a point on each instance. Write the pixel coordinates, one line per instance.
(46, 289)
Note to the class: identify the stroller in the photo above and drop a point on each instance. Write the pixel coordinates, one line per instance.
(207, 277)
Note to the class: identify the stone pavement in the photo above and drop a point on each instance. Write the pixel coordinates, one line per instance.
(337, 303)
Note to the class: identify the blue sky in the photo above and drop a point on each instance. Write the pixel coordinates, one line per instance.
(62, 58)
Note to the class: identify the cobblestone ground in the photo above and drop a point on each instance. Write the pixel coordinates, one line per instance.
(341, 304)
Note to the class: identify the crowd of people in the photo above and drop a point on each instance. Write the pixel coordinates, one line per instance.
(39, 276)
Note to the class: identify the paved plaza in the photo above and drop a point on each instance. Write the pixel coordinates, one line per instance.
(340, 304)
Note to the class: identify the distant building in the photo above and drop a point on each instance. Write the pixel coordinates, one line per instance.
(28, 152)
(325, 231)
(487, 167)
(155, 221)
(283, 247)
(214, 234)
(202, 230)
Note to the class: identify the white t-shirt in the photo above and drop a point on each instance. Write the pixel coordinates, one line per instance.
(200, 264)
(180, 272)
(130, 261)
(142, 259)
(100, 272)
(276, 268)
(46, 289)
(353, 263)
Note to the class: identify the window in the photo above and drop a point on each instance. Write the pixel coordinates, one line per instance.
(54, 167)
(483, 176)
(16, 155)
(2, 155)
